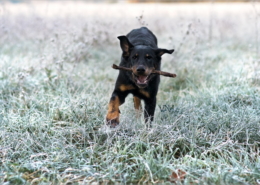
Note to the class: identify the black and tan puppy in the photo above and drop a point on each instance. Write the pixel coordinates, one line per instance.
(142, 55)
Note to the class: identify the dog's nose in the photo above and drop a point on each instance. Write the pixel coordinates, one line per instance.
(140, 69)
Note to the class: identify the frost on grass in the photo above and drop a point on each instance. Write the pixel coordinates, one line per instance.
(56, 81)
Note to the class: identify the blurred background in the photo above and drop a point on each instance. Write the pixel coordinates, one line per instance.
(149, 1)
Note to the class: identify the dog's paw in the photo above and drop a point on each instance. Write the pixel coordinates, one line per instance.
(112, 119)
(112, 123)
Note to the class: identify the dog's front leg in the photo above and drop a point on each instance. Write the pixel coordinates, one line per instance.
(117, 99)
(149, 110)
(138, 106)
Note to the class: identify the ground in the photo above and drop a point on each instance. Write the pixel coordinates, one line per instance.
(56, 80)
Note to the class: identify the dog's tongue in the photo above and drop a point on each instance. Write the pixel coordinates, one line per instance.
(142, 79)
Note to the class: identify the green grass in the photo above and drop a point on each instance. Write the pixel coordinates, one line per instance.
(56, 81)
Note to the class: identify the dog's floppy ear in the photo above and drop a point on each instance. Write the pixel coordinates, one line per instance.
(159, 52)
(125, 45)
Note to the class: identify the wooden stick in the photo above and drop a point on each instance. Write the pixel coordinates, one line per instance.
(114, 66)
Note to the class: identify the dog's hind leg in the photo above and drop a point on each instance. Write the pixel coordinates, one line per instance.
(138, 106)
(149, 111)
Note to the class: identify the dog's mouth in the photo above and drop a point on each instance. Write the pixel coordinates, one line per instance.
(141, 80)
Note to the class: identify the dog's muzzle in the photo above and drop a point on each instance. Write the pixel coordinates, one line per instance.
(141, 76)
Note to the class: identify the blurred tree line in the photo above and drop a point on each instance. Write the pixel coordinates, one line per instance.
(173, 1)
(144, 1)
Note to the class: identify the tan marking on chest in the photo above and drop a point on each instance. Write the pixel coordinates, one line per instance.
(126, 87)
(145, 93)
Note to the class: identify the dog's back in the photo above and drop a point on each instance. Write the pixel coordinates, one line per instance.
(142, 36)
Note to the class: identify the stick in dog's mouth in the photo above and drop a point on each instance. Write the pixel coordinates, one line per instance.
(114, 66)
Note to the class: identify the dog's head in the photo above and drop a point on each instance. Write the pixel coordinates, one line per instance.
(142, 59)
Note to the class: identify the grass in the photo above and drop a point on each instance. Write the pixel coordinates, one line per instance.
(56, 81)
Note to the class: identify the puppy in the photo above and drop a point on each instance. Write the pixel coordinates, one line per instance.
(140, 53)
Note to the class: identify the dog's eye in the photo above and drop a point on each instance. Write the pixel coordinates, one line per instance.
(148, 57)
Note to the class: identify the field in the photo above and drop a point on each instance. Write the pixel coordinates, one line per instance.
(56, 80)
